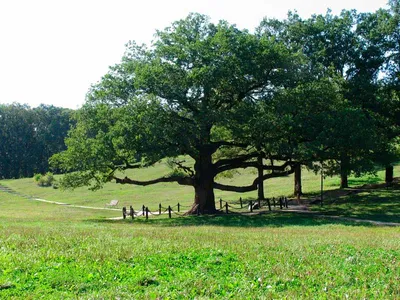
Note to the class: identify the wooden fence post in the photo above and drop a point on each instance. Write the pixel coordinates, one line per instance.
(131, 211)
(269, 204)
(286, 203)
(226, 207)
(251, 206)
(159, 209)
(280, 203)
(124, 212)
(169, 211)
(143, 210)
(147, 213)
(220, 203)
(241, 202)
(179, 207)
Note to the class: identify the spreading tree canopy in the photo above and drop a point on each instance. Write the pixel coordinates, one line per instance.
(194, 92)
(226, 98)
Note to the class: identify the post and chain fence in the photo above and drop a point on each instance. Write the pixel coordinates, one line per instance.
(225, 207)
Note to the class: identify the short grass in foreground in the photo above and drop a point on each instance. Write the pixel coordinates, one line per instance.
(49, 251)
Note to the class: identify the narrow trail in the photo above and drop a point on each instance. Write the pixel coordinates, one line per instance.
(6, 189)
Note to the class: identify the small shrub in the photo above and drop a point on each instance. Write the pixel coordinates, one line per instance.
(49, 178)
(37, 177)
(44, 180)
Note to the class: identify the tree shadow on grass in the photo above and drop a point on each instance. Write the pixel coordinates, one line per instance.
(365, 204)
(378, 205)
(238, 220)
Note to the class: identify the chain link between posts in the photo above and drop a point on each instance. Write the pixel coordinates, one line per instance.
(282, 202)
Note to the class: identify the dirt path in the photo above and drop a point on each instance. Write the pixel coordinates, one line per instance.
(8, 190)
(73, 205)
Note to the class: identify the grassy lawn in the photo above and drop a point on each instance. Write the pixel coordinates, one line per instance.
(51, 251)
(55, 251)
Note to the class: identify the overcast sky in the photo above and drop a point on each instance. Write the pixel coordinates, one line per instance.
(51, 51)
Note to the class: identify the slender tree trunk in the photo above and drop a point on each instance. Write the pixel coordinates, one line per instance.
(297, 181)
(261, 182)
(344, 171)
(389, 175)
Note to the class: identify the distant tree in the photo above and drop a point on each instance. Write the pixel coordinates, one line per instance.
(29, 137)
(51, 127)
(17, 140)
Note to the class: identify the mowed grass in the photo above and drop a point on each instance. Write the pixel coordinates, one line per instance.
(58, 251)
(49, 251)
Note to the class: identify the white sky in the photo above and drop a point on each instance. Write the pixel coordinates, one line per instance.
(51, 51)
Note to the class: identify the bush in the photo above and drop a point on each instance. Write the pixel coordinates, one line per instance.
(44, 180)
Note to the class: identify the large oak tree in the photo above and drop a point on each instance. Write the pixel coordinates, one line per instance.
(193, 92)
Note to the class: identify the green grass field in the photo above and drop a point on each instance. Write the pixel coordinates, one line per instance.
(172, 193)
(52, 251)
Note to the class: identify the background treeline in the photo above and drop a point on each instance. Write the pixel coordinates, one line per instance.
(29, 137)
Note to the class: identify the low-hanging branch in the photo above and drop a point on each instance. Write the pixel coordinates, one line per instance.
(237, 159)
(252, 164)
(254, 185)
(229, 144)
(182, 180)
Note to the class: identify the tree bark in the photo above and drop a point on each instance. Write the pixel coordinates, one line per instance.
(344, 171)
(389, 175)
(298, 191)
(204, 200)
(260, 176)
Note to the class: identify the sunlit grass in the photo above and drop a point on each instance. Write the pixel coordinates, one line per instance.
(52, 252)
(172, 193)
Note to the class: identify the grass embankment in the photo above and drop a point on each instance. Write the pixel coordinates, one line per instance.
(54, 251)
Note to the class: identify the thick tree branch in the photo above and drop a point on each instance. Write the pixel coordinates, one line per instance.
(127, 166)
(179, 179)
(237, 159)
(253, 164)
(254, 185)
(230, 144)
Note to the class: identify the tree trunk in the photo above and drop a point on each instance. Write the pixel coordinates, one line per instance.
(344, 171)
(389, 175)
(204, 197)
(297, 181)
(261, 182)
(204, 200)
